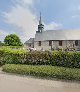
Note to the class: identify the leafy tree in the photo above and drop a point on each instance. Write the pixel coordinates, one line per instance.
(12, 40)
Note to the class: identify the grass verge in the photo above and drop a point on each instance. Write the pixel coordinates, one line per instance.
(44, 71)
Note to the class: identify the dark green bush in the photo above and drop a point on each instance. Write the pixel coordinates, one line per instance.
(44, 71)
(38, 58)
(65, 59)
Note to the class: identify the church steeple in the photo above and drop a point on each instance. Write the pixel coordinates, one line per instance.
(40, 21)
(40, 26)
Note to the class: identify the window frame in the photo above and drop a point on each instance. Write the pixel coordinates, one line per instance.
(60, 43)
(29, 45)
(76, 42)
(39, 43)
(50, 43)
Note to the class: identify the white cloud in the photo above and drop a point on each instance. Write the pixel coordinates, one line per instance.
(27, 1)
(74, 7)
(23, 18)
(53, 26)
(78, 7)
(23, 2)
(75, 16)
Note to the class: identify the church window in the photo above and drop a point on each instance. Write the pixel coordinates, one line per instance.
(29, 45)
(50, 43)
(76, 42)
(60, 43)
(39, 43)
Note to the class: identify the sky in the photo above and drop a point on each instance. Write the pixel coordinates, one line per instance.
(21, 17)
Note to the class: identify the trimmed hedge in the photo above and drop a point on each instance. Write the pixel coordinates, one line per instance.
(11, 56)
(65, 59)
(44, 71)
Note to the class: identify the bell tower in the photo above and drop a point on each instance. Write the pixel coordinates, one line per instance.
(40, 26)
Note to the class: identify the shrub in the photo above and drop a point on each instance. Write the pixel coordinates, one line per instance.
(44, 71)
(38, 57)
(8, 55)
(65, 59)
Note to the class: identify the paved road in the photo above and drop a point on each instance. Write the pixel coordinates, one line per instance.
(13, 83)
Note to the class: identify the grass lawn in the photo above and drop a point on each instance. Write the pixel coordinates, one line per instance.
(43, 71)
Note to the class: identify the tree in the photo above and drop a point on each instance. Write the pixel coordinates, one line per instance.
(12, 40)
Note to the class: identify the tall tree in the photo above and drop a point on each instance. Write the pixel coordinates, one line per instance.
(12, 40)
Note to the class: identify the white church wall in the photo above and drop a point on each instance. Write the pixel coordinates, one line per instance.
(44, 45)
(71, 44)
(55, 45)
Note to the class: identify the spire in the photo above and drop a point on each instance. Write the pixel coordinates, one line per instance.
(40, 26)
(40, 21)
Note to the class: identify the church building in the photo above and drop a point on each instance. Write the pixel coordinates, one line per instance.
(54, 39)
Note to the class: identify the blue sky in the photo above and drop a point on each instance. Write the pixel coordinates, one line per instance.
(21, 16)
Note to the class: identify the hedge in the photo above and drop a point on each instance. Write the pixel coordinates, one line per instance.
(65, 59)
(11, 56)
(44, 71)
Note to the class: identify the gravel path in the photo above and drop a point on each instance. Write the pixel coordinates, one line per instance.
(13, 83)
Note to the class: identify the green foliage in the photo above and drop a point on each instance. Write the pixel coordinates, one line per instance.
(38, 58)
(65, 59)
(9, 55)
(12, 40)
(44, 71)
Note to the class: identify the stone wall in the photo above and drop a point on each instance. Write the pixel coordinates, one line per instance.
(55, 45)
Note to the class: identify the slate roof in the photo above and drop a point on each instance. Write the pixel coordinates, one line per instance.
(29, 41)
(58, 35)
